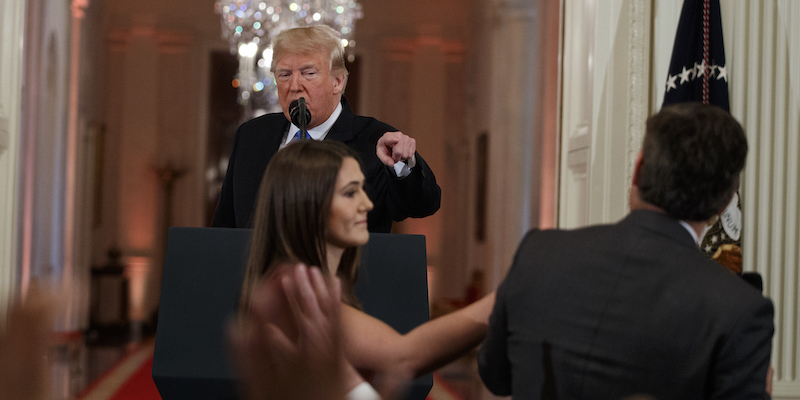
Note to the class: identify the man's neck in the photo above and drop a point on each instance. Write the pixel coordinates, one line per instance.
(330, 114)
(696, 226)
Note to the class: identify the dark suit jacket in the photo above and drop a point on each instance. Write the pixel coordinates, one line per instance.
(610, 311)
(257, 140)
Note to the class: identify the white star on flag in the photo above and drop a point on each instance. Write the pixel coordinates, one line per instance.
(723, 73)
(671, 82)
(701, 69)
(711, 72)
(686, 75)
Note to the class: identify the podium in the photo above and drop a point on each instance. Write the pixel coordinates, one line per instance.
(203, 273)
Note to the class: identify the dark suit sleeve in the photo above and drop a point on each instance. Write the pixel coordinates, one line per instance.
(224, 216)
(493, 364)
(416, 195)
(744, 356)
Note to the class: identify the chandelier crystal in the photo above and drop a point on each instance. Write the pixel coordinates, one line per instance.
(250, 25)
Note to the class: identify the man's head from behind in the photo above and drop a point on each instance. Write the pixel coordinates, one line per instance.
(691, 159)
(309, 62)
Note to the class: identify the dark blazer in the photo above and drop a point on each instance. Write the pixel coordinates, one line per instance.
(395, 199)
(609, 311)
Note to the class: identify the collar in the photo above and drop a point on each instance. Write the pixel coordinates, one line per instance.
(691, 231)
(661, 224)
(318, 132)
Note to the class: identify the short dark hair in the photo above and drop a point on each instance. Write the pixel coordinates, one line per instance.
(292, 211)
(691, 159)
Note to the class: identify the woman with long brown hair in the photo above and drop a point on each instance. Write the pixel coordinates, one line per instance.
(312, 209)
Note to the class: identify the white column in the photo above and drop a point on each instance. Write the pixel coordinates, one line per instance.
(12, 17)
(77, 288)
(514, 118)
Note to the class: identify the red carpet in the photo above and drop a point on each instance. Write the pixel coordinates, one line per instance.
(140, 386)
(131, 379)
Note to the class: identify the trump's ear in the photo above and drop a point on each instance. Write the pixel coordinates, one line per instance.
(339, 80)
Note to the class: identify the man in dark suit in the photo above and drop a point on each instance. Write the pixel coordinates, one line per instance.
(309, 63)
(634, 308)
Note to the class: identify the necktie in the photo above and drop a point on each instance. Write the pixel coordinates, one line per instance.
(297, 136)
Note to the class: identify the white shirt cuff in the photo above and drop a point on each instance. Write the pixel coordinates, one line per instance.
(364, 391)
(401, 169)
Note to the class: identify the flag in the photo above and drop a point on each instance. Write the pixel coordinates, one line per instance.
(698, 72)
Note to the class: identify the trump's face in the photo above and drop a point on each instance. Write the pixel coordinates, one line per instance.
(309, 76)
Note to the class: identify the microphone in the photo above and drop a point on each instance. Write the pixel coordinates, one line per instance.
(300, 115)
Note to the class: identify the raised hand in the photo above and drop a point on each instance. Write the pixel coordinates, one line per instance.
(304, 360)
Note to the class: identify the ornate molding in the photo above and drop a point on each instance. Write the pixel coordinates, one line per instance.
(640, 13)
(168, 41)
(402, 49)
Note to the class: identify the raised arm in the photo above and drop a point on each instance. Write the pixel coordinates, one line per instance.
(373, 345)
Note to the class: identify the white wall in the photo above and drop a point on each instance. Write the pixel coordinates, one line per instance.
(605, 102)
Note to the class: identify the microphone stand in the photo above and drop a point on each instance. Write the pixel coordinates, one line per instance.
(301, 105)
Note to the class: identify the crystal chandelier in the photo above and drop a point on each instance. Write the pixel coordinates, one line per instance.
(250, 25)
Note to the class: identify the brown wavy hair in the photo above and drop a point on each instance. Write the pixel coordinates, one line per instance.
(292, 212)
